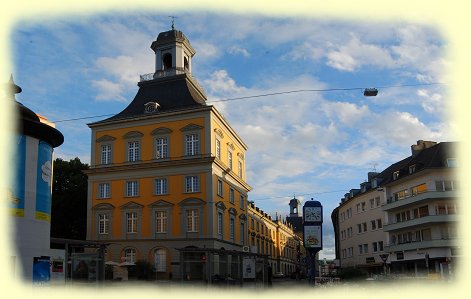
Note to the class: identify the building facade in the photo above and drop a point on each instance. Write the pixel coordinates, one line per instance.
(360, 227)
(422, 211)
(168, 172)
(277, 239)
(408, 214)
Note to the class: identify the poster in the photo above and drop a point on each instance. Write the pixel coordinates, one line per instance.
(43, 182)
(16, 192)
(313, 236)
(248, 266)
(41, 270)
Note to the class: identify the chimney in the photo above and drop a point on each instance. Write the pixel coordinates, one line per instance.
(421, 145)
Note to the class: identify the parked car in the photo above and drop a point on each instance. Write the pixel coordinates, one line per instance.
(278, 275)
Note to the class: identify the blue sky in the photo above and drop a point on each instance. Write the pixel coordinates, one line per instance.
(309, 144)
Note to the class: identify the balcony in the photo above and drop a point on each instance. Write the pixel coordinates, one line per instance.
(418, 198)
(420, 221)
(421, 245)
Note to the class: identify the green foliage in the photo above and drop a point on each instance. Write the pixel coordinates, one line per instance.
(351, 273)
(69, 199)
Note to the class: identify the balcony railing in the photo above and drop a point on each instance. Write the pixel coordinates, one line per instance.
(416, 245)
(171, 72)
(393, 203)
(420, 221)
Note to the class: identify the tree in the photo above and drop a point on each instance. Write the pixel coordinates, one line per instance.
(69, 200)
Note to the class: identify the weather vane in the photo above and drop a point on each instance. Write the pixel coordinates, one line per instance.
(173, 21)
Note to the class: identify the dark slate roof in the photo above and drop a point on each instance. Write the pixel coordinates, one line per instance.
(171, 93)
(170, 36)
(432, 157)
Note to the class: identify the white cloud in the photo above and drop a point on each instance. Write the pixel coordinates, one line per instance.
(305, 51)
(205, 50)
(357, 53)
(432, 103)
(236, 50)
(108, 91)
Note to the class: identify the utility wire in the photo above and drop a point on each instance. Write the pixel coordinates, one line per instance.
(273, 94)
(306, 194)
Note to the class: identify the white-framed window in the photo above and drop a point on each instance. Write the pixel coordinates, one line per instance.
(160, 260)
(229, 159)
(133, 151)
(160, 186)
(104, 190)
(242, 233)
(103, 224)
(105, 154)
(220, 223)
(131, 222)
(242, 202)
(161, 147)
(192, 144)
(239, 168)
(130, 255)
(231, 195)
(218, 149)
(219, 187)
(192, 220)
(192, 184)
(132, 188)
(372, 203)
(161, 221)
(232, 228)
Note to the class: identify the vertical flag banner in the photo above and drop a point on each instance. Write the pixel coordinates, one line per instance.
(43, 182)
(16, 193)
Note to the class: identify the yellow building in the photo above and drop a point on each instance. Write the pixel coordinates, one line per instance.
(277, 239)
(168, 171)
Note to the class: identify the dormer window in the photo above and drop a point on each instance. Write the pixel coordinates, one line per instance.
(451, 162)
(395, 175)
(150, 107)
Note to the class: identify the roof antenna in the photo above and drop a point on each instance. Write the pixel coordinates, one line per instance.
(173, 21)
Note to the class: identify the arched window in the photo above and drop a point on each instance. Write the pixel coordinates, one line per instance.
(130, 255)
(167, 61)
(160, 260)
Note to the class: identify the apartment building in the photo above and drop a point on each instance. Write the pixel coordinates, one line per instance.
(407, 215)
(422, 211)
(167, 172)
(360, 227)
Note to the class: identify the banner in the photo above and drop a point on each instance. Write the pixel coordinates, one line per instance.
(43, 182)
(16, 194)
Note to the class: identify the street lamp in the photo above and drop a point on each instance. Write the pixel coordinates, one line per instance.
(370, 92)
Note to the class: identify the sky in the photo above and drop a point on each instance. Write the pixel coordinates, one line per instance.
(318, 137)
